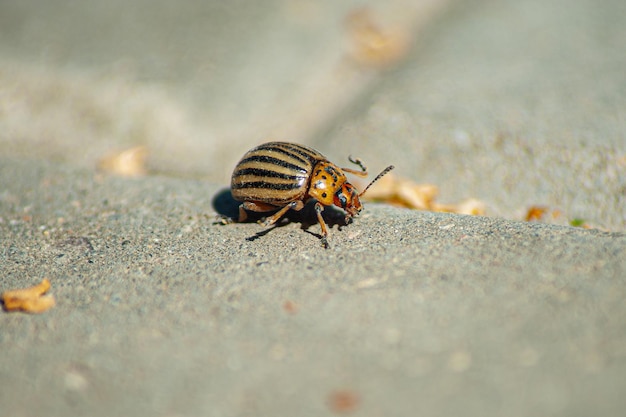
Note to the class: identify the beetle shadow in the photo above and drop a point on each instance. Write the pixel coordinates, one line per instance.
(225, 205)
(227, 209)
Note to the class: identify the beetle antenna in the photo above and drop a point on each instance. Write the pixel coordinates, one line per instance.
(379, 176)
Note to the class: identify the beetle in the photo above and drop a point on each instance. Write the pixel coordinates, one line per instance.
(284, 176)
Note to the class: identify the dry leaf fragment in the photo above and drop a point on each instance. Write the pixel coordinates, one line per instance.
(403, 192)
(343, 401)
(471, 206)
(290, 307)
(539, 213)
(407, 193)
(29, 300)
(127, 163)
(545, 214)
(372, 44)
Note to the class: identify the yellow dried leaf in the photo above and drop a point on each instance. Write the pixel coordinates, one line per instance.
(29, 300)
(404, 192)
(539, 213)
(127, 163)
(372, 44)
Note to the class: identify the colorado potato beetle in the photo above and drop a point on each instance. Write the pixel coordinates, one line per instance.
(283, 176)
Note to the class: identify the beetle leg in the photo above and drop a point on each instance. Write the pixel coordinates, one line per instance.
(242, 214)
(361, 174)
(294, 205)
(258, 207)
(318, 209)
(357, 161)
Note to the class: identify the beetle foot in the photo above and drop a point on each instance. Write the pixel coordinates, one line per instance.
(223, 219)
(324, 242)
(266, 222)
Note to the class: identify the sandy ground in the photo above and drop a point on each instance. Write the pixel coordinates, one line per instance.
(161, 311)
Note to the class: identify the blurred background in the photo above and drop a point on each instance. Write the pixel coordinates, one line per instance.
(517, 104)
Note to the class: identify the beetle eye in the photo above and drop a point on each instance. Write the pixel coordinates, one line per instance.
(340, 199)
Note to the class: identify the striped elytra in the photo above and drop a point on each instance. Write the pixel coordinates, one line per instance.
(275, 173)
(282, 176)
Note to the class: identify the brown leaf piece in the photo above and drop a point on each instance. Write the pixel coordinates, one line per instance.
(343, 401)
(290, 307)
(407, 193)
(372, 44)
(29, 300)
(127, 163)
(541, 213)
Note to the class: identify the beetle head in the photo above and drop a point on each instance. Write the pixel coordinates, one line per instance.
(347, 197)
(329, 186)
